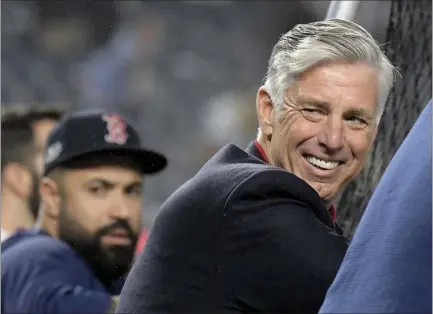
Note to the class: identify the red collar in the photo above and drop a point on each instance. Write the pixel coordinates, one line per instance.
(333, 212)
(259, 147)
(261, 151)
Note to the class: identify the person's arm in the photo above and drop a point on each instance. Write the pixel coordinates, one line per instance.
(280, 257)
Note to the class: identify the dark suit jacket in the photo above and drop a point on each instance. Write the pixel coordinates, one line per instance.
(240, 236)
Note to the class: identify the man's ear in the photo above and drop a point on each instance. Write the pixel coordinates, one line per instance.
(265, 111)
(50, 196)
(18, 179)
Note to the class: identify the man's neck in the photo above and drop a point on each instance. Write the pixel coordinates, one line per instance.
(265, 145)
(15, 213)
(47, 225)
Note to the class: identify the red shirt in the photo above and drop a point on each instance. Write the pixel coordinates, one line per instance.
(141, 241)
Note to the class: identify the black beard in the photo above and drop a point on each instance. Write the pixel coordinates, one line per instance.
(107, 263)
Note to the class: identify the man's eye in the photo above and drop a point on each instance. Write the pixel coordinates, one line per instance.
(313, 115)
(312, 111)
(135, 191)
(357, 121)
(97, 190)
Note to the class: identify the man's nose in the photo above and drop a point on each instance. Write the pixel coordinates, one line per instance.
(333, 134)
(119, 208)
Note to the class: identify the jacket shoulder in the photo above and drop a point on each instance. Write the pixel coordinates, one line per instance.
(220, 175)
(202, 198)
(39, 250)
(36, 243)
(273, 182)
(234, 161)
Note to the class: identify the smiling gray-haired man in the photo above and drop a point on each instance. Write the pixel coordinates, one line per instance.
(254, 230)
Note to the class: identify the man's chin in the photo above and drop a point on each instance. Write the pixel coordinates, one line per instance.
(115, 251)
(326, 193)
(119, 261)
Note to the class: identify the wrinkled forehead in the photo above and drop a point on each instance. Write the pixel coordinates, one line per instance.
(348, 85)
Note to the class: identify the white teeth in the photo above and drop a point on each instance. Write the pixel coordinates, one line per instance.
(322, 163)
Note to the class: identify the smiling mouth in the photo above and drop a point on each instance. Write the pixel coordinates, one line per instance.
(322, 164)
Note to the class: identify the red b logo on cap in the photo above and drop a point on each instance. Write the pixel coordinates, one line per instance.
(116, 128)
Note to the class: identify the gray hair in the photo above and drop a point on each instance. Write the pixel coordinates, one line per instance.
(307, 45)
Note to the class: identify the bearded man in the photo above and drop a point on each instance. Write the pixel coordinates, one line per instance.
(91, 193)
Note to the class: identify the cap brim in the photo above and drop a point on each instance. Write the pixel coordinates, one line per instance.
(148, 161)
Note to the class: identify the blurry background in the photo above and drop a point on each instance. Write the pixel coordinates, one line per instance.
(186, 72)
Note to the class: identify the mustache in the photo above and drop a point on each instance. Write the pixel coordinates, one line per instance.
(118, 224)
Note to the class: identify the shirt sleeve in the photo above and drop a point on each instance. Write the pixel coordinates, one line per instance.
(279, 255)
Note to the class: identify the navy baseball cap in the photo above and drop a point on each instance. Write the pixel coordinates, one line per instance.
(87, 132)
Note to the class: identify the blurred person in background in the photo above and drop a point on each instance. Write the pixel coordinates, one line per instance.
(43, 121)
(254, 230)
(24, 133)
(388, 266)
(74, 259)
